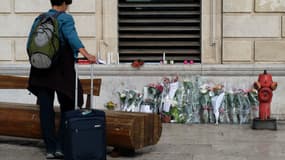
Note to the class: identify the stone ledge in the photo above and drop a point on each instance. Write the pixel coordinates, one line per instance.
(163, 70)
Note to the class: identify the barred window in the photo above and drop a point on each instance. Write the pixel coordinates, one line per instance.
(149, 28)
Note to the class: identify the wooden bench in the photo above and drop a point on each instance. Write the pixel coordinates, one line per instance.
(124, 130)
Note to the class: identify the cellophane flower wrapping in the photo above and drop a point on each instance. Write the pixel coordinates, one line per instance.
(243, 104)
(132, 100)
(185, 100)
(224, 112)
(178, 106)
(217, 98)
(195, 100)
(123, 96)
(205, 102)
(253, 98)
(233, 111)
(152, 97)
(165, 103)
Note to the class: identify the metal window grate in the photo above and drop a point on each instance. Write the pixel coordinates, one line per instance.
(147, 28)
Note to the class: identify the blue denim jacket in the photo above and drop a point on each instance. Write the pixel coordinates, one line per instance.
(67, 31)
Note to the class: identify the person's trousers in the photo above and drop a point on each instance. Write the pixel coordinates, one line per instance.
(53, 138)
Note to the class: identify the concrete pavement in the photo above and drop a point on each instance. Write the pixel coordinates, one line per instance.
(182, 142)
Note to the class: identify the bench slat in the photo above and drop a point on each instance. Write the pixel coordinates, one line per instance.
(13, 82)
(17, 82)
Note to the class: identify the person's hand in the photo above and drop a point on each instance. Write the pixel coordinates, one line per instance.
(91, 58)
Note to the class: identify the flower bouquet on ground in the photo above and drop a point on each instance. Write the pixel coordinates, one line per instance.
(185, 100)
(130, 101)
(233, 111)
(152, 97)
(224, 113)
(253, 98)
(123, 96)
(195, 101)
(217, 100)
(205, 102)
(191, 101)
(243, 104)
(169, 90)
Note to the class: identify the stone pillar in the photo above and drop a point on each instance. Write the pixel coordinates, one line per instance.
(211, 31)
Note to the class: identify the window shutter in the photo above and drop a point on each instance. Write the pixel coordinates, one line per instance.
(147, 28)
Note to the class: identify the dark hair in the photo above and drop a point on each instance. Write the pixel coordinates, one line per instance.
(60, 2)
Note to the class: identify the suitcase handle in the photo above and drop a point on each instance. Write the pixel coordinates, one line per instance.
(83, 61)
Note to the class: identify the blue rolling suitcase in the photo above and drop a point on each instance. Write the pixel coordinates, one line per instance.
(85, 135)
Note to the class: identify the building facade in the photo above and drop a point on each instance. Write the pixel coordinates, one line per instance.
(239, 39)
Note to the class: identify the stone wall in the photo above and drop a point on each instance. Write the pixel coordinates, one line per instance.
(16, 18)
(253, 31)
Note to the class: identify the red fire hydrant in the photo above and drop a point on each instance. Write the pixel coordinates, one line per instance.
(265, 86)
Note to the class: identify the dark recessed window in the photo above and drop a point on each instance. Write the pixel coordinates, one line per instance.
(148, 28)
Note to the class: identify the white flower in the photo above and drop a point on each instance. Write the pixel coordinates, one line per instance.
(211, 93)
(204, 88)
(122, 95)
(173, 103)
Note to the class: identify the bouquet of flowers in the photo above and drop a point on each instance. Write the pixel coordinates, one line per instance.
(205, 102)
(243, 104)
(123, 96)
(185, 100)
(170, 88)
(130, 100)
(195, 100)
(253, 98)
(152, 96)
(217, 100)
(233, 112)
(224, 114)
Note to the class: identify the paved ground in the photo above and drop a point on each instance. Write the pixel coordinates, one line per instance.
(183, 142)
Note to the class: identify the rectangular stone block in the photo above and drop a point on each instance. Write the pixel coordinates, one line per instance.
(32, 6)
(83, 6)
(5, 6)
(251, 26)
(6, 51)
(85, 25)
(237, 50)
(237, 5)
(15, 25)
(20, 49)
(270, 5)
(270, 51)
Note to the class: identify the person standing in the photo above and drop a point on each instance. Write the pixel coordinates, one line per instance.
(59, 79)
